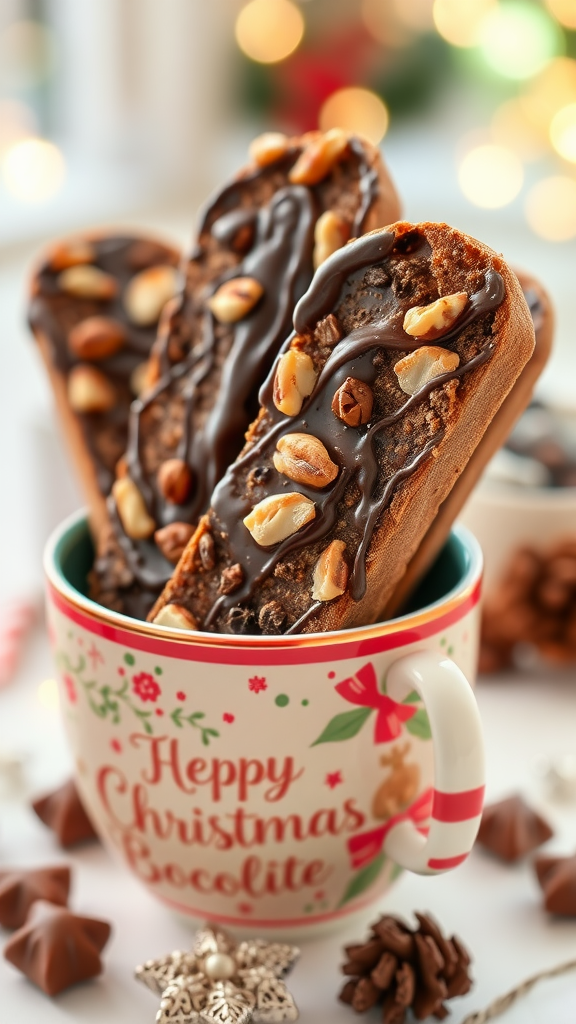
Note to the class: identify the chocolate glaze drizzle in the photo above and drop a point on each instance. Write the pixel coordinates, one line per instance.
(280, 257)
(355, 449)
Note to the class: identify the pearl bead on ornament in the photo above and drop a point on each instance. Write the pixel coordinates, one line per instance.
(219, 966)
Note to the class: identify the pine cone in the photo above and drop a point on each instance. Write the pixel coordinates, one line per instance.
(406, 968)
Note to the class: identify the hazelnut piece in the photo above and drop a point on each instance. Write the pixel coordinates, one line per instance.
(352, 402)
(172, 539)
(175, 481)
(97, 337)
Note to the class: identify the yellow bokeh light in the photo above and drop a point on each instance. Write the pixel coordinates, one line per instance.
(47, 694)
(33, 170)
(460, 22)
(357, 110)
(553, 89)
(563, 132)
(514, 125)
(551, 208)
(518, 39)
(564, 11)
(415, 14)
(394, 22)
(491, 176)
(268, 31)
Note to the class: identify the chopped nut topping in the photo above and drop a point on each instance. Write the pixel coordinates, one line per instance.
(235, 299)
(134, 516)
(328, 331)
(432, 321)
(70, 253)
(330, 234)
(145, 376)
(175, 481)
(352, 403)
(241, 621)
(206, 551)
(87, 282)
(272, 618)
(294, 381)
(422, 365)
(267, 148)
(148, 292)
(331, 573)
(172, 539)
(177, 616)
(97, 337)
(318, 157)
(231, 578)
(89, 390)
(304, 459)
(279, 516)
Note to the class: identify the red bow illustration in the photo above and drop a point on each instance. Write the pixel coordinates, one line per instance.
(365, 847)
(363, 689)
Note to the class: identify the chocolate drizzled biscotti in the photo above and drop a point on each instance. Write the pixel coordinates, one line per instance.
(403, 349)
(259, 241)
(95, 302)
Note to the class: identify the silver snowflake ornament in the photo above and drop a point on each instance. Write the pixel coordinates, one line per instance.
(220, 981)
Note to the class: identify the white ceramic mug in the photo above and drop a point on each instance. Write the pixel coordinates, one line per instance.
(274, 782)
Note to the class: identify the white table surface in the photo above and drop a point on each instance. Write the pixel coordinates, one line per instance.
(495, 909)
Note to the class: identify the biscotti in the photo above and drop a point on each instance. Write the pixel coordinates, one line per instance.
(259, 241)
(403, 349)
(95, 303)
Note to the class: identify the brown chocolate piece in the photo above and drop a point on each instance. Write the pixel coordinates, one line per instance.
(56, 949)
(511, 829)
(406, 969)
(557, 879)
(254, 259)
(21, 887)
(533, 603)
(63, 812)
(332, 555)
(81, 327)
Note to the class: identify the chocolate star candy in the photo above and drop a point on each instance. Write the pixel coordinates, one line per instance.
(56, 949)
(19, 889)
(510, 829)
(557, 879)
(63, 812)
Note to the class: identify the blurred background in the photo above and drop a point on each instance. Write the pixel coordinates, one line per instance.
(131, 111)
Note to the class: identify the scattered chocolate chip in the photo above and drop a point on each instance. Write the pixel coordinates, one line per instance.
(241, 621)
(21, 887)
(56, 949)
(231, 579)
(272, 618)
(511, 829)
(206, 551)
(62, 811)
(557, 879)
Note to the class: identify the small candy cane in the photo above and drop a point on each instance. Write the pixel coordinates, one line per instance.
(503, 1003)
(15, 622)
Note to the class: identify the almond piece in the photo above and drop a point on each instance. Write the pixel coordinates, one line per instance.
(422, 365)
(144, 376)
(89, 390)
(330, 573)
(318, 157)
(97, 337)
(175, 480)
(330, 234)
(294, 381)
(172, 539)
(352, 402)
(87, 282)
(267, 148)
(304, 459)
(176, 616)
(148, 292)
(235, 299)
(134, 516)
(279, 516)
(70, 253)
(432, 321)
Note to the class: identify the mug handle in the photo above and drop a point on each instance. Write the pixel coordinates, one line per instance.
(458, 766)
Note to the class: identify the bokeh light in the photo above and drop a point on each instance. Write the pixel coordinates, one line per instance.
(47, 694)
(27, 55)
(518, 39)
(553, 89)
(515, 125)
(563, 132)
(460, 22)
(551, 208)
(491, 176)
(415, 14)
(268, 31)
(33, 170)
(564, 11)
(17, 122)
(357, 110)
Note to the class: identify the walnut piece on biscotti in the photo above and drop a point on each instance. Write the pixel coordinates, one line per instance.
(395, 417)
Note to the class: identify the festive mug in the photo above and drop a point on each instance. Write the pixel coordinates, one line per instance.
(275, 782)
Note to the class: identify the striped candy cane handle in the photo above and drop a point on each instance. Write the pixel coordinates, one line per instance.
(458, 766)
